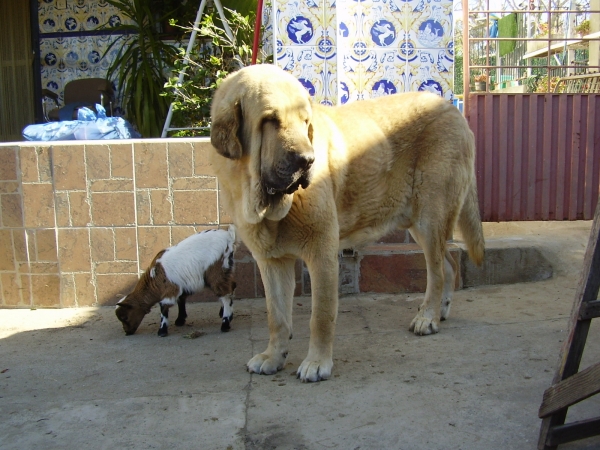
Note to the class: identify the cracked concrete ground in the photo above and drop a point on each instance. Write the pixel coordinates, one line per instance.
(71, 379)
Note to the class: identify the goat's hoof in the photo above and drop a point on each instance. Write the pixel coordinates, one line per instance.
(226, 324)
(162, 333)
(180, 322)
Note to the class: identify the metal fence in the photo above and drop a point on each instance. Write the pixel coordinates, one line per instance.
(528, 50)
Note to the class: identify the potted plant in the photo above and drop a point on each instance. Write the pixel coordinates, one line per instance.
(480, 81)
(583, 28)
(140, 65)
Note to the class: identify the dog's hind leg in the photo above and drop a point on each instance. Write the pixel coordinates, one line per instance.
(278, 277)
(450, 269)
(434, 247)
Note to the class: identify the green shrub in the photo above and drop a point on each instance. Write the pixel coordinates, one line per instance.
(140, 66)
(213, 57)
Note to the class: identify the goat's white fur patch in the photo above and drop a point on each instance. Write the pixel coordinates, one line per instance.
(185, 263)
(227, 306)
(117, 305)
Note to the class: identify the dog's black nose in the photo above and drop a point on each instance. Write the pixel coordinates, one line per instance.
(305, 161)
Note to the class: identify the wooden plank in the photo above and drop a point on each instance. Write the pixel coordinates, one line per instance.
(572, 349)
(573, 431)
(578, 387)
(589, 310)
(587, 290)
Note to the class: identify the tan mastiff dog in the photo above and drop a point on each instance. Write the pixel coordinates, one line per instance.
(302, 180)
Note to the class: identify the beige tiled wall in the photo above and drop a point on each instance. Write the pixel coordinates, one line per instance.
(79, 221)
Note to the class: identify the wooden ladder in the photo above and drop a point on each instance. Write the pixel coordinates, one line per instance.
(570, 386)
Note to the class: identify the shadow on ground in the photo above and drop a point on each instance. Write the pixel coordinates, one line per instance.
(71, 379)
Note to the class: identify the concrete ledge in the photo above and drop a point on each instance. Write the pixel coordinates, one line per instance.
(505, 265)
(395, 268)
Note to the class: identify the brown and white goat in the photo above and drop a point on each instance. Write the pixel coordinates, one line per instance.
(202, 260)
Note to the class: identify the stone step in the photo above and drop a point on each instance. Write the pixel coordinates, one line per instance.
(394, 267)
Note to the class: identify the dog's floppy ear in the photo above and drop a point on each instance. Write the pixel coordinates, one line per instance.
(226, 129)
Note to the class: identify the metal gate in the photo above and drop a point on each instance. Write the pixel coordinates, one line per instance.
(538, 155)
(532, 98)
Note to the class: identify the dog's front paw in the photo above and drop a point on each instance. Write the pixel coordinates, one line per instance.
(424, 323)
(318, 370)
(266, 365)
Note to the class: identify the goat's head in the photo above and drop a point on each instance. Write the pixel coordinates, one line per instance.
(131, 314)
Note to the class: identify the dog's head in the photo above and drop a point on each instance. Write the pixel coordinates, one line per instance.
(261, 115)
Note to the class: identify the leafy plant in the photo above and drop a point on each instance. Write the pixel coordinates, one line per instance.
(214, 56)
(583, 28)
(541, 84)
(140, 65)
(542, 29)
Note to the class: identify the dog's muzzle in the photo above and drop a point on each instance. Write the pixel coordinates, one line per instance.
(287, 178)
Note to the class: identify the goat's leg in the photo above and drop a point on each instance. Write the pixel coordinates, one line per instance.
(226, 312)
(182, 314)
(164, 317)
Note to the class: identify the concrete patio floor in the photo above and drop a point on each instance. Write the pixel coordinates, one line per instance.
(71, 379)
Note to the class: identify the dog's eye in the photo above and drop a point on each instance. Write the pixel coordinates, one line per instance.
(273, 121)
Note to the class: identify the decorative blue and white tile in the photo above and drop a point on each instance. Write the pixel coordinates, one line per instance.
(425, 75)
(295, 58)
(330, 12)
(326, 48)
(297, 22)
(268, 42)
(381, 27)
(79, 15)
(433, 26)
(407, 49)
(348, 88)
(370, 47)
(66, 59)
(328, 95)
(409, 6)
(383, 74)
(302, 62)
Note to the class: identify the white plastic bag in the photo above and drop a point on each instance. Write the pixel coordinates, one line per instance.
(86, 127)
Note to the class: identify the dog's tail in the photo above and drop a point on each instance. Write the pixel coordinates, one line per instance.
(469, 222)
